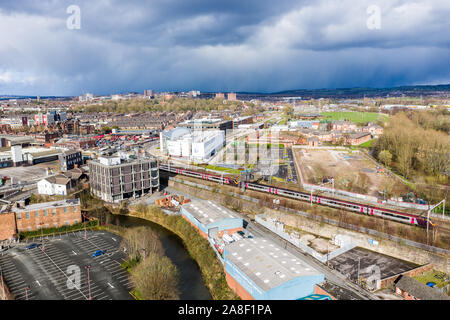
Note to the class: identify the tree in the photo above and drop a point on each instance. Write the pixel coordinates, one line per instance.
(288, 110)
(385, 157)
(137, 240)
(156, 278)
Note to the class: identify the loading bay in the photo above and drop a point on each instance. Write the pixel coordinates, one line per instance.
(49, 274)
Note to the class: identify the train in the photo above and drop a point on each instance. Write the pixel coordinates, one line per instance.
(308, 197)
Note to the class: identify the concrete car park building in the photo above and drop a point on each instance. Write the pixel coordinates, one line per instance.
(259, 269)
(114, 179)
(210, 219)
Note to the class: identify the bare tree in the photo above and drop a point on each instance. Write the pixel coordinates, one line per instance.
(156, 278)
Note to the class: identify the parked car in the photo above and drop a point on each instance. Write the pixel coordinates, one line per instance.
(32, 246)
(97, 253)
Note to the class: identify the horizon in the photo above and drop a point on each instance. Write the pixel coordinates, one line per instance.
(237, 92)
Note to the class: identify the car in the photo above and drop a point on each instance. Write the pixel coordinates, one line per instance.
(97, 253)
(32, 246)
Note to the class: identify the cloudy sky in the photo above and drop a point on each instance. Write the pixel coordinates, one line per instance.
(221, 45)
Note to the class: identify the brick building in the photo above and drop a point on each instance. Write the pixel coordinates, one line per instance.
(411, 289)
(358, 138)
(343, 125)
(7, 225)
(47, 215)
(55, 214)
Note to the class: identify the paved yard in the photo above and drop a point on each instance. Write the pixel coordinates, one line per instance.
(47, 272)
(347, 263)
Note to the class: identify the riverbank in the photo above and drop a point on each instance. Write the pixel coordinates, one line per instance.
(155, 278)
(198, 248)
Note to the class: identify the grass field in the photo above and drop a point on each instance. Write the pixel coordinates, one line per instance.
(434, 276)
(366, 144)
(228, 170)
(358, 117)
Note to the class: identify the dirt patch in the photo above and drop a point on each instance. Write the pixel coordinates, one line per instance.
(351, 171)
(322, 245)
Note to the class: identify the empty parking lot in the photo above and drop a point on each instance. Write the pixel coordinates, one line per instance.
(50, 274)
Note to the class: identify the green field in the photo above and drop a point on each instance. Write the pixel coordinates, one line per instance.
(434, 276)
(366, 144)
(358, 117)
(228, 170)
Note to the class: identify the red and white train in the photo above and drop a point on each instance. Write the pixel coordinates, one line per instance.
(304, 196)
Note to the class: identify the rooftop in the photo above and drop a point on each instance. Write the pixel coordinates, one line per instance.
(46, 205)
(266, 263)
(208, 212)
(419, 290)
(58, 179)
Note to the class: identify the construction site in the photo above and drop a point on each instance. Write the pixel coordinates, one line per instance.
(351, 170)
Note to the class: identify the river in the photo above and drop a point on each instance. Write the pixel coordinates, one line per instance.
(191, 286)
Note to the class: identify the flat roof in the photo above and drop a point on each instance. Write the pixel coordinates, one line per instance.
(208, 212)
(46, 205)
(266, 263)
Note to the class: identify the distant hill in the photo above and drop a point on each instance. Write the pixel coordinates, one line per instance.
(9, 97)
(354, 93)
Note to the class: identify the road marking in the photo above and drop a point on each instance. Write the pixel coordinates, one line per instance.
(38, 283)
(74, 252)
(111, 285)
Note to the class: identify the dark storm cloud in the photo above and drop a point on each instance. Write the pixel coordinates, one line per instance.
(248, 45)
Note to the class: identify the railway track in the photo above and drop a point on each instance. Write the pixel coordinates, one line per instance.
(366, 209)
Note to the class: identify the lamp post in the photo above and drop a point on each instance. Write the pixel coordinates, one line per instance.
(3, 284)
(88, 267)
(85, 234)
(26, 292)
(42, 236)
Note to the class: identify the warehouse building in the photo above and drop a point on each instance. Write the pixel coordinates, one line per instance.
(259, 269)
(208, 124)
(116, 178)
(210, 219)
(192, 145)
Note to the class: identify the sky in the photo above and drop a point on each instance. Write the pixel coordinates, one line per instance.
(220, 45)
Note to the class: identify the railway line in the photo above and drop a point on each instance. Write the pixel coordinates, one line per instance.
(369, 210)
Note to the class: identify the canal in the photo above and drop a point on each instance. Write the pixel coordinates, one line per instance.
(191, 285)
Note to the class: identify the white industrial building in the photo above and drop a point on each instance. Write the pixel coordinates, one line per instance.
(192, 145)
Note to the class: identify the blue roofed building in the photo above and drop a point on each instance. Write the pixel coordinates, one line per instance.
(210, 219)
(259, 269)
